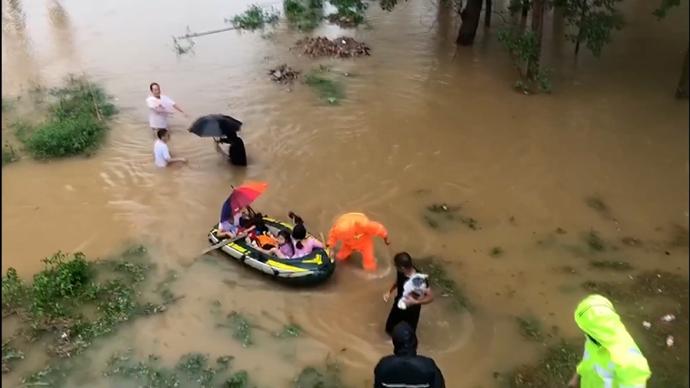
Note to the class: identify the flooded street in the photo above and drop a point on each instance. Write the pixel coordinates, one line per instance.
(421, 124)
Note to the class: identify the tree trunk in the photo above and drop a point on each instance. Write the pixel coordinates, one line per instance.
(583, 13)
(525, 9)
(537, 29)
(470, 21)
(487, 13)
(682, 89)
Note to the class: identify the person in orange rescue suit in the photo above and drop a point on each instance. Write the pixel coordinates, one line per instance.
(356, 232)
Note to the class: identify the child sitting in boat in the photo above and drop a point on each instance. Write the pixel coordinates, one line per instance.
(303, 244)
(285, 248)
(230, 223)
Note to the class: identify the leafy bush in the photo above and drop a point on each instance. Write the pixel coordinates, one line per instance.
(77, 122)
(254, 18)
(303, 14)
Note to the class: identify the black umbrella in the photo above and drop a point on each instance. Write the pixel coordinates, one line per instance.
(216, 125)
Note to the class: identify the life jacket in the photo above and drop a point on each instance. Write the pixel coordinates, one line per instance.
(615, 360)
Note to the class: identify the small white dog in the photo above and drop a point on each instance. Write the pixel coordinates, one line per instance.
(416, 286)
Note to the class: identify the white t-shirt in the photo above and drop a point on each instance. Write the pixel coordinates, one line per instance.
(159, 119)
(161, 153)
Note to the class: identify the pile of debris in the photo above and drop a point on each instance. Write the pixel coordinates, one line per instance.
(342, 47)
(283, 74)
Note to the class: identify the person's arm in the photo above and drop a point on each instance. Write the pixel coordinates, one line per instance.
(387, 294)
(574, 381)
(177, 108)
(377, 229)
(170, 159)
(316, 244)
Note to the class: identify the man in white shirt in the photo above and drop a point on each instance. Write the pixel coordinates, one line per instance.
(160, 107)
(161, 153)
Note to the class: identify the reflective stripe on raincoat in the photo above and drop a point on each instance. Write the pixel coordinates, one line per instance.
(618, 362)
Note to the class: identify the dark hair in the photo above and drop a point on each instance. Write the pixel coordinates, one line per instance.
(288, 240)
(403, 260)
(295, 218)
(299, 232)
(152, 85)
(161, 133)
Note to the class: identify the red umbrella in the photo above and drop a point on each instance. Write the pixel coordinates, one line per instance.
(245, 194)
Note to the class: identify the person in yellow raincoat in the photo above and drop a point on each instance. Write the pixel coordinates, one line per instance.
(356, 232)
(611, 358)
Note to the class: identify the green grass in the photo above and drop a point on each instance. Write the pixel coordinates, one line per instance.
(305, 15)
(328, 89)
(77, 124)
(254, 18)
(320, 377)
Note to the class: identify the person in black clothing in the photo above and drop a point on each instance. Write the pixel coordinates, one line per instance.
(405, 269)
(404, 368)
(236, 152)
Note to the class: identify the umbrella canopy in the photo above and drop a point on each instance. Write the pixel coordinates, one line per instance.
(215, 125)
(240, 197)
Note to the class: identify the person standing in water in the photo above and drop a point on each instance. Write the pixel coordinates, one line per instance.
(405, 368)
(356, 233)
(160, 107)
(405, 270)
(161, 152)
(611, 357)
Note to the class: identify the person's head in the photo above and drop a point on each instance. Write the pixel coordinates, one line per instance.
(599, 321)
(284, 237)
(155, 89)
(163, 135)
(403, 262)
(404, 340)
(299, 232)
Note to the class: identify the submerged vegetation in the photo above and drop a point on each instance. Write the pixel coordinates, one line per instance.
(192, 370)
(439, 215)
(320, 377)
(444, 285)
(322, 81)
(254, 18)
(530, 328)
(78, 115)
(554, 369)
(304, 15)
(9, 154)
(71, 303)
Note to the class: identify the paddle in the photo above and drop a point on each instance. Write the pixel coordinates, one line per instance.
(226, 241)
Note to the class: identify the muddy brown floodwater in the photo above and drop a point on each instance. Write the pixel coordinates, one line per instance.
(420, 125)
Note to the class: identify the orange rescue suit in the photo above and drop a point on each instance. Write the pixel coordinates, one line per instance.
(356, 232)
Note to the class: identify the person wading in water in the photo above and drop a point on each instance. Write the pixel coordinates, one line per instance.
(405, 270)
(404, 368)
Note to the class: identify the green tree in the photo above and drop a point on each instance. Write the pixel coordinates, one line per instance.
(593, 21)
(682, 88)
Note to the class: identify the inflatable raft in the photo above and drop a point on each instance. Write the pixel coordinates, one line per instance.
(311, 269)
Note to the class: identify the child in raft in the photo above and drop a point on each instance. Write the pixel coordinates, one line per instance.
(303, 244)
(295, 244)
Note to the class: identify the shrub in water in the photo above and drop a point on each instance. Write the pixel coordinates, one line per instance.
(77, 122)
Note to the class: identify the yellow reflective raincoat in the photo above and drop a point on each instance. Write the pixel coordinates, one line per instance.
(616, 361)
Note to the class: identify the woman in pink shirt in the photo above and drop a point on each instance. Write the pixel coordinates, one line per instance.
(303, 245)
